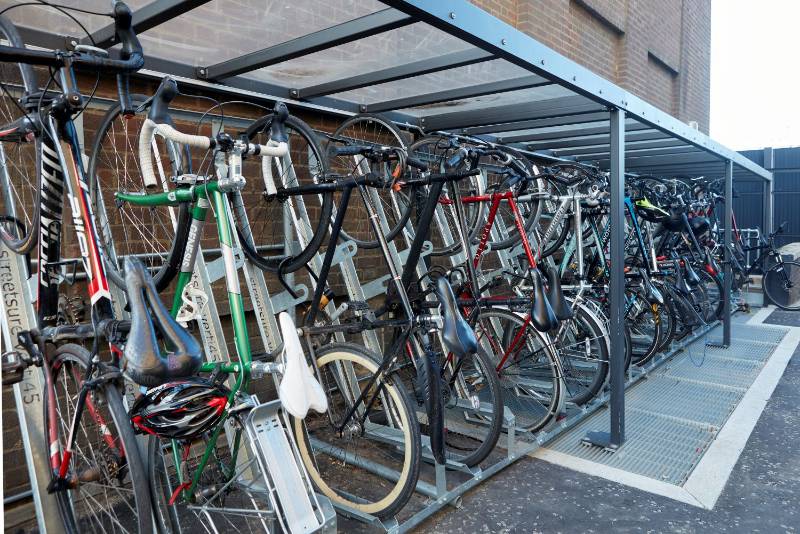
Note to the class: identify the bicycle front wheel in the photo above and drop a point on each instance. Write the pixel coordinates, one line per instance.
(781, 284)
(108, 488)
(369, 462)
(20, 158)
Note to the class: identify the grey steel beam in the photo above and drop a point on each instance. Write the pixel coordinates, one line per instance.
(769, 164)
(685, 160)
(144, 18)
(574, 133)
(631, 153)
(629, 147)
(595, 141)
(554, 107)
(616, 436)
(502, 86)
(452, 60)
(477, 27)
(530, 124)
(346, 32)
(400, 72)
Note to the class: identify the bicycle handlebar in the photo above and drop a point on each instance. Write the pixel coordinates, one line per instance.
(156, 122)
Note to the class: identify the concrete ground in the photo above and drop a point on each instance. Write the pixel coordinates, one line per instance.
(762, 493)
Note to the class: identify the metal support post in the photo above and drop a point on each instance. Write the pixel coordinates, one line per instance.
(726, 281)
(616, 436)
(769, 164)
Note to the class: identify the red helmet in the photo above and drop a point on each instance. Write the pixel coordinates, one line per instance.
(180, 410)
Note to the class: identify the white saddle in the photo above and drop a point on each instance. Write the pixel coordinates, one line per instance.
(299, 389)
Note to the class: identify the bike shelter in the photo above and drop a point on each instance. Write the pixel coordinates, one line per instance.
(478, 76)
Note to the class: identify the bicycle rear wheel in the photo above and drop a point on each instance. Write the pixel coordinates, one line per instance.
(156, 235)
(350, 466)
(20, 158)
(582, 346)
(528, 369)
(108, 485)
(277, 234)
(779, 285)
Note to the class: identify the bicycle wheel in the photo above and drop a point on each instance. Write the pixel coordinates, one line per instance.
(20, 158)
(780, 283)
(445, 231)
(583, 349)
(108, 486)
(713, 289)
(277, 234)
(473, 408)
(394, 207)
(643, 319)
(345, 465)
(527, 366)
(157, 235)
(668, 317)
(229, 497)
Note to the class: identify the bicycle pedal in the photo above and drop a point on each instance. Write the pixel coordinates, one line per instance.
(14, 365)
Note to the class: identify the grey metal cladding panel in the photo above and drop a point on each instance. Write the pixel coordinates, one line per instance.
(787, 181)
(147, 17)
(471, 91)
(399, 72)
(756, 156)
(472, 24)
(787, 158)
(374, 23)
(554, 107)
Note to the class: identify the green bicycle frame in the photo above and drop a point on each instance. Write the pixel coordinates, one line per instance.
(203, 196)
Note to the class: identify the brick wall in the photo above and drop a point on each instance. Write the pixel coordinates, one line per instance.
(657, 49)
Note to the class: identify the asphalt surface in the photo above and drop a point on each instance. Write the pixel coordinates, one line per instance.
(762, 493)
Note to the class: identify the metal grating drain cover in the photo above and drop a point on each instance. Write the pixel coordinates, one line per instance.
(674, 414)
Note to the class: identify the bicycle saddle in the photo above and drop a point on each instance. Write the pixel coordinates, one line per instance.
(555, 295)
(691, 275)
(680, 281)
(299, 389)
(542, 315)
(711, 263)
(651, 292)
(458, 336)
(144, 362)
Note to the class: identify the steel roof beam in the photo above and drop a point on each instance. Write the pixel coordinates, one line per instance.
(144, 18)
(530, 124)
(477, 27)
(594, 141)
(570, 134)
(541, 109)
(452, 60)
(633, 153)
(346, 32)
(503, 86)
(653, 162)
(628, 147)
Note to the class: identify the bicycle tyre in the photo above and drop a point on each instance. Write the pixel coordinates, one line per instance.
(323, 468)
(318, 224)
(78, 359)
(163, 264)
(400, 206)
(777, 274)
(20, 242)
(591, 328)
(486, 433)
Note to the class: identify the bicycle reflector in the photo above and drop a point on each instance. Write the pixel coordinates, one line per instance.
(182, 410)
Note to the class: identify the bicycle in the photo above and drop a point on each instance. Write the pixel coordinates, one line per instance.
(98, 478)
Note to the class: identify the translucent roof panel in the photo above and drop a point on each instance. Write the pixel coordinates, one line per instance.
(523, 96)
(388, 49)
(47, 18)
(221, 30)
(562, 131)
(489, 71)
